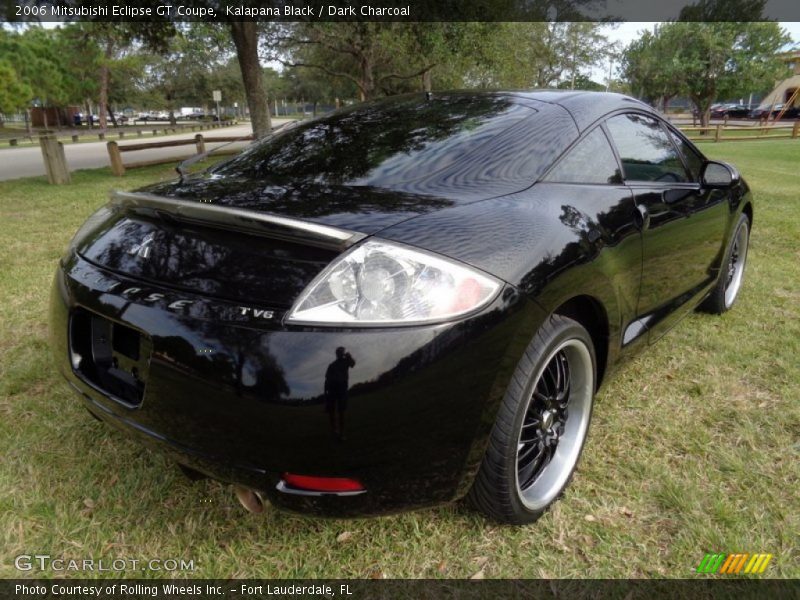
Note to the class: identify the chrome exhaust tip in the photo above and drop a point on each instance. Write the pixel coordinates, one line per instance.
(250, 499)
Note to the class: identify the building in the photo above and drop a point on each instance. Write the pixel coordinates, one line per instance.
(786, 89)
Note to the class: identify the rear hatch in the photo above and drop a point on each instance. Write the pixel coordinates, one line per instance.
(241, 240)
(203, 259)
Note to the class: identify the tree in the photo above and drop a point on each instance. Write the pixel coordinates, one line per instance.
(186, 71)
(649, 66)
(38, 65)
(246, 37)
(14, 93)
(706, 61)
(536, 54)
(372, 56)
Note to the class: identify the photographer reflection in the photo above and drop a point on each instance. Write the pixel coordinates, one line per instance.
(336, 384)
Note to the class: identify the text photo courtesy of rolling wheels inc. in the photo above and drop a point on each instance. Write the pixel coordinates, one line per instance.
(382, 307)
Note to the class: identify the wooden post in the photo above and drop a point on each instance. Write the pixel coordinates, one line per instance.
(796, 129)
(55, 163)
(155, 132)
(200, 143)
(12, 142)
(121, 134)
(717, 133)
(114, 155)
(75, 138)
(139, 132)
(102, 136)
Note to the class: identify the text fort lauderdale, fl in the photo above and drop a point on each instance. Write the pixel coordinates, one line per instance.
(168, 590)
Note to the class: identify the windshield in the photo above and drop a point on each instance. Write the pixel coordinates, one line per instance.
(380, 144)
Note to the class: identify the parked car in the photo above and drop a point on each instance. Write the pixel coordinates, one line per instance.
(735, 111)
(767, 112)
(400, 303)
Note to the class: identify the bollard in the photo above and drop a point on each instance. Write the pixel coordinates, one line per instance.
(114, 155)
(200, 143)
(55, 163)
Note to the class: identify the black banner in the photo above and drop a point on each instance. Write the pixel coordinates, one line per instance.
(206, 589)
(398, 10)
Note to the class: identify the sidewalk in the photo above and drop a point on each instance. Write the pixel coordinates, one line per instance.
(27, 162)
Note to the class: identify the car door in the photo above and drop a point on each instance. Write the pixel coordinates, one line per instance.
(683, 225)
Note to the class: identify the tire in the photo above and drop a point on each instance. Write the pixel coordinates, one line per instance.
(731, 274)
(511, 486)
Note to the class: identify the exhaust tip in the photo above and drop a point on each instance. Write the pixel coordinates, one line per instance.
(249, 499)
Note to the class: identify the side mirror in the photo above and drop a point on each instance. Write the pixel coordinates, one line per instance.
(718, 175)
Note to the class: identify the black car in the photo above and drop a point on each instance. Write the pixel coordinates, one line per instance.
(401, 303)
(774, 111)
(732, 111)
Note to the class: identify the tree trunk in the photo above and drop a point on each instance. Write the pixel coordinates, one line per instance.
(367, 83)
(104, 78)
(245, 37)
(426, 81)
(111, 114)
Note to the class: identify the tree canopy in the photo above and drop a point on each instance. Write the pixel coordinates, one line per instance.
(705, 61)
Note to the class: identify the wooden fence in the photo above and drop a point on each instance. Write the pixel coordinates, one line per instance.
(118, 167)
(719, 133)
(120, 132)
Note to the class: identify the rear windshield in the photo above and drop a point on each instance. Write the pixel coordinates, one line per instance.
(380, 144)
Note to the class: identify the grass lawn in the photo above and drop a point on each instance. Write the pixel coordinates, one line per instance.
(694, 447)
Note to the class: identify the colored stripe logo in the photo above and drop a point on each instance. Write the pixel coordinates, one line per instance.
(733, 564)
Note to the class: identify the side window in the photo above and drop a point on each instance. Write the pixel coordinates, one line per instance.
(645, 150)
(693, 160)
(590, 161)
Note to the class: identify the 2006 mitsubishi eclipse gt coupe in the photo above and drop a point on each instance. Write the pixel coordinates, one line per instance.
(401, 303)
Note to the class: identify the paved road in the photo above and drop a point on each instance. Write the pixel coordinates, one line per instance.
(27, 162)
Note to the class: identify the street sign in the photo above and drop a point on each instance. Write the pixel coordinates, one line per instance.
(217, 95)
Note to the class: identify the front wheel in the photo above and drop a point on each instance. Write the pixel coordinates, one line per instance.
(541, 426)
(725, 292)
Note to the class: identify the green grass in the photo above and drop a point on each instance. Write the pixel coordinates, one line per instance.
(693, 448)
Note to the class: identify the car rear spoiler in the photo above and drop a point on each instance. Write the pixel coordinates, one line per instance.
(236, 219)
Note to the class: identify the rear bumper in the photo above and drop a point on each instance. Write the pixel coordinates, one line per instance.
(241, 399)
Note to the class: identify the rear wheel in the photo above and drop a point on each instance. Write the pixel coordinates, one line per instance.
(541, 427)
(725, 292)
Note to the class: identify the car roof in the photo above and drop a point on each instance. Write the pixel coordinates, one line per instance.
(585, 107)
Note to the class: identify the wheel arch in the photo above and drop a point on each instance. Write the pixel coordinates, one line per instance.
(747, 209)
(592, 315)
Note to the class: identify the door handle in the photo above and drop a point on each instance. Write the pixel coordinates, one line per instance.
(642, 217)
